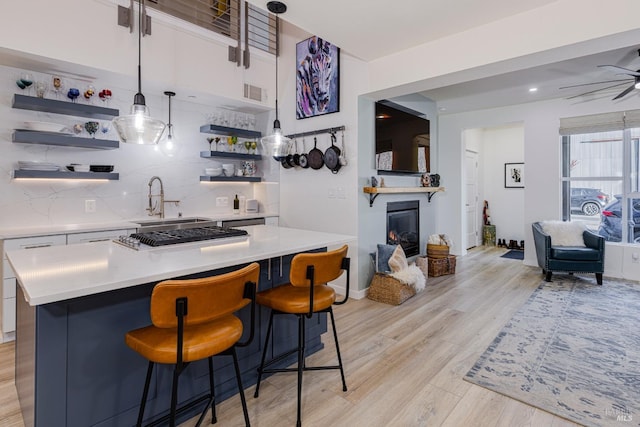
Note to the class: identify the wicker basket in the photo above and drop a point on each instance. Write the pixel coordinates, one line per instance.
(389, 290)
(442, 266)
(437, 251)
(422, 262)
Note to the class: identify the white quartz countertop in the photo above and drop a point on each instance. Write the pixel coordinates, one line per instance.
(59, 273)
(48, 230)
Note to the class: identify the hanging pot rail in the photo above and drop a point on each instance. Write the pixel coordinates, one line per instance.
(316, 132)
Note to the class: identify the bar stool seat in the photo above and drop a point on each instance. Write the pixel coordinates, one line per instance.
(295, 300)
(200, 341)
(193, 320)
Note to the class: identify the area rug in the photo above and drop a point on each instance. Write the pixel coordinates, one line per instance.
(573, 349)
(513, 254)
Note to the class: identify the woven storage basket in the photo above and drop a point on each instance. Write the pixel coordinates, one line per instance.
(389, 290)
(442, 266)
(437, 251)
(422, 262)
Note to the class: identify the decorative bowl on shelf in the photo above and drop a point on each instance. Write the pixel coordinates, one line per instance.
(45, 127)
(213, 171)
(101, 168)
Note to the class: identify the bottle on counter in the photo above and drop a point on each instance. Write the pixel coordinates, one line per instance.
(236, 206)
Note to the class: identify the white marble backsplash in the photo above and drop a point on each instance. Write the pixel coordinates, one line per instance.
(46, 202)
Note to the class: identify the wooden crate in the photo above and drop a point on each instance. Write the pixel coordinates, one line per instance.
(442, 266)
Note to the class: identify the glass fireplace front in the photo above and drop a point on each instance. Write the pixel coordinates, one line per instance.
(403, 226)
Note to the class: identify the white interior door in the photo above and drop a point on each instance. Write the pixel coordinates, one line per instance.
(471, 204)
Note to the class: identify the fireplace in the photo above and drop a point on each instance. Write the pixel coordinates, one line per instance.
(403, 226)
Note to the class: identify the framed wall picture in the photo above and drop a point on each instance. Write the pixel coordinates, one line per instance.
(317, 78)
(514, 175)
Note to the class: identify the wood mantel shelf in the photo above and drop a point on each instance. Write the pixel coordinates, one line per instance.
(373, 192)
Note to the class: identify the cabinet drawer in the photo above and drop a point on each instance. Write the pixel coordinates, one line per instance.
(8, 315)
(9, 288)
(7, 271)
(35, 242)
(97, 236)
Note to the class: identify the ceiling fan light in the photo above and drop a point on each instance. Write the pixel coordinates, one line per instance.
(638, 84)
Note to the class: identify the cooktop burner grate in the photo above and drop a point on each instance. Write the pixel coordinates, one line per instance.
(185, 235)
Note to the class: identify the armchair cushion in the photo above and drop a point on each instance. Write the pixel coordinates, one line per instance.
(564, 233)
(573, 253)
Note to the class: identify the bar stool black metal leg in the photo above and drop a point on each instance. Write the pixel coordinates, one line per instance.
(264, 354)
(301, 339)
(145, 393)
(335, 336)
(212, 387)
(240, 387)
(174, 397)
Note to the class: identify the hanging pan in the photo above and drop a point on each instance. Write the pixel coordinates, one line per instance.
(285, 159)
(315, 156)
(296, 156)
(304, 159)
(332, 156)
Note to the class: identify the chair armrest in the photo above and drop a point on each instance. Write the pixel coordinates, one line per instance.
(592, 240)
(542, 243)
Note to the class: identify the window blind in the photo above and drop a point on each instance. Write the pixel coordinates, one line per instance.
(603, 122)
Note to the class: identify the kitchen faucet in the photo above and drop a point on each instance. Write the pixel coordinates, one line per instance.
(158, 208)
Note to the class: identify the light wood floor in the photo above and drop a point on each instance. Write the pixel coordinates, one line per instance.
(404, 364)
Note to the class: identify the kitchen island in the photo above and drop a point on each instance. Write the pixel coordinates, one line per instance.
(76, 302)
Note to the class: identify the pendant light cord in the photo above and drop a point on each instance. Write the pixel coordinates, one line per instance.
(277, 54)
(140, 45)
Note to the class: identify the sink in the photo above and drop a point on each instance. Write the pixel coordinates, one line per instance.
(173, 224)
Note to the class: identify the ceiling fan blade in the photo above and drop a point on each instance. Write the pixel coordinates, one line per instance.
(596, 90)
(596, 83)
(626, 91)
(621, 70)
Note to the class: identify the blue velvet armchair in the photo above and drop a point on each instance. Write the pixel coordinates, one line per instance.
(572, 259)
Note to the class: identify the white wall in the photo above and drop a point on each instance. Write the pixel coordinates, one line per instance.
(504, 145)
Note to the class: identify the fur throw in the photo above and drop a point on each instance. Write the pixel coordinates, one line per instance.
(411, 276)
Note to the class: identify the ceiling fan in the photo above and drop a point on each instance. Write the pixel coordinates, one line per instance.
(634, 78)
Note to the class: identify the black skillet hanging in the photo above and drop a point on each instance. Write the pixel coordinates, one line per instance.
(332, 156)
(315, 156)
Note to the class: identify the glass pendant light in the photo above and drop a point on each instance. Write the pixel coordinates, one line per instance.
(139, 127)
(276, 145)
(169, 145)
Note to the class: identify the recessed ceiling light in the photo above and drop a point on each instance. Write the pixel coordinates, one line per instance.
(533, 89)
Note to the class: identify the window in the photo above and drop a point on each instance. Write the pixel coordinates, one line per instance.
(600, 179)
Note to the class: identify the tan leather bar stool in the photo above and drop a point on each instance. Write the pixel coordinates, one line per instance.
(194, 320)
(306, 293)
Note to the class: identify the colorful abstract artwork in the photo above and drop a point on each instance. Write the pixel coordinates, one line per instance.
(317, 78)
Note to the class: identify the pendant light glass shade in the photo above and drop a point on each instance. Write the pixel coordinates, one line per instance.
(169, 145)
(139, 127)
(276, 144)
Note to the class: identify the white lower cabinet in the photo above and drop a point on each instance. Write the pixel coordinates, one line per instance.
(97, 236)
(8, 297)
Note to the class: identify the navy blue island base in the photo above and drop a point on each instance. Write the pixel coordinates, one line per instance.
(73, 367)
